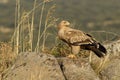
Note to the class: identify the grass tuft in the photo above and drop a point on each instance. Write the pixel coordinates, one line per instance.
(7, 56)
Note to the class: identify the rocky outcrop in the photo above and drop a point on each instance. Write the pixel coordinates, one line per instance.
(108, 67)
(34, 66)
(41, 66)
(111, 71)
(77, 69)
(113, 48)
(113, 52)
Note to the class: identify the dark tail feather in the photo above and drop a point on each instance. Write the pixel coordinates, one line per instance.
(102, 48)
(100, 51)
(97, 52)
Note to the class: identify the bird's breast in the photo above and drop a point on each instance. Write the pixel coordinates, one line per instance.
(61, 34)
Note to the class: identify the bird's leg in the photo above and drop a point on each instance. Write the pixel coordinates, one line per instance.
(74, 50)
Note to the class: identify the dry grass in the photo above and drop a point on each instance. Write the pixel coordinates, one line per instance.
(7, 56)
(25, 28)
(22, 39)
(60, 50)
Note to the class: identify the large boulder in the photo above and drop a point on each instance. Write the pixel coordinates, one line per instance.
(34, 66)
(113, 52)
(77, 69)
(111, 71)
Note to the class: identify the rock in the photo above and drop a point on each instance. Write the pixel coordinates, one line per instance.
(77, 69)
(113, 48)
(34, 66)
(113, 52)
(111, 71)
(99, 63)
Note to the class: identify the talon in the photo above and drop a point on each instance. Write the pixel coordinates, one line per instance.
(72, 56)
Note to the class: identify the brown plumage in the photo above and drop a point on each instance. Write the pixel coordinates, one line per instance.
(77, 39)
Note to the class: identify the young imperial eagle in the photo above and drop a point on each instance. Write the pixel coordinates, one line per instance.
(78, 39)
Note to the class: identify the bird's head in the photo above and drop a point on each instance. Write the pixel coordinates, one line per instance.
(63, 24)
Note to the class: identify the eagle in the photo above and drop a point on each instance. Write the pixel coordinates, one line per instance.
(78, 39)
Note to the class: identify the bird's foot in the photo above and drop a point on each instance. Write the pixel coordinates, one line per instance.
(72, 56)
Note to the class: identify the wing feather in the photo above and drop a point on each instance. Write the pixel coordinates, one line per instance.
(77, 37)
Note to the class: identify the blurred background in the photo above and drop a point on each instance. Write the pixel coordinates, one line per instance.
(101, 18)
(30, 26)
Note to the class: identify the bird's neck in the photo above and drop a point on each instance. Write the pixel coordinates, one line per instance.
(61, 27)
(61, 31)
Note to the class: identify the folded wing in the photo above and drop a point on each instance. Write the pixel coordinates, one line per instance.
(86, 41)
